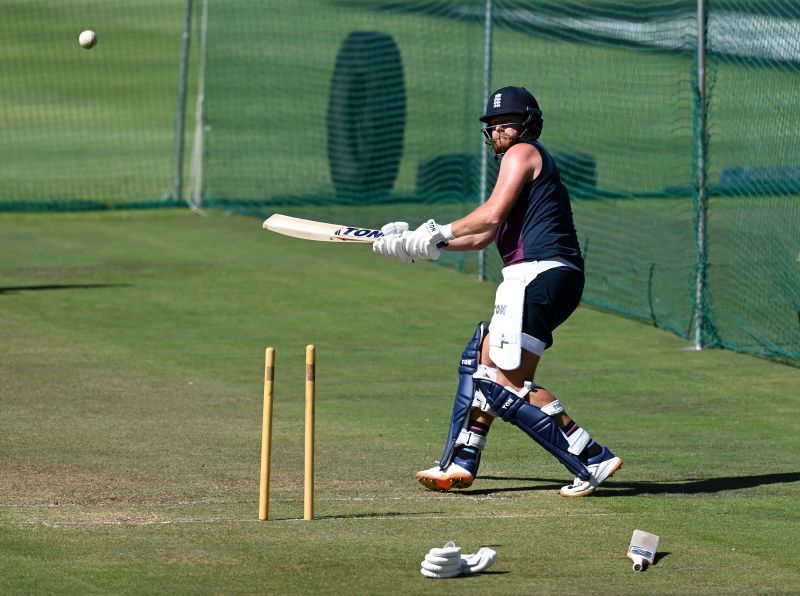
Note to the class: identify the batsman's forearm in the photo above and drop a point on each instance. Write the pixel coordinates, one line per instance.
(483, 220)
(470, 242)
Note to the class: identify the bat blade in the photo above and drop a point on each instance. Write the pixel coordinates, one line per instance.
(320, 231)
(642, 550)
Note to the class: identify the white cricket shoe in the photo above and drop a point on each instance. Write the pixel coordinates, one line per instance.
(454, 476)
(601, 466)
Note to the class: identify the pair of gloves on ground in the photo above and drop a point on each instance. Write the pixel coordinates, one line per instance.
(426, 242)
(447, 562)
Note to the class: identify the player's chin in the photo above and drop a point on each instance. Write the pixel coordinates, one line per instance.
(501, 146)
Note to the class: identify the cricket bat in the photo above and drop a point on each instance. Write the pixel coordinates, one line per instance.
(642, 550)
(317, 230)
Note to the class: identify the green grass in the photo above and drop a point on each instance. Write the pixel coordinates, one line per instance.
(131, 353)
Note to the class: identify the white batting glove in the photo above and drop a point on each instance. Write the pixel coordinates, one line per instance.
(392, 243)
(394, 227)
(427, 241)
(479, 561)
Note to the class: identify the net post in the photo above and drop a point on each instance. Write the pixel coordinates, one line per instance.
(701, 203)
(180, 112)
(194, 194)
(487, 78)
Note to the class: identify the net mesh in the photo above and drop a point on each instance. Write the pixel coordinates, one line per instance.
(364, 112)
(87, 127)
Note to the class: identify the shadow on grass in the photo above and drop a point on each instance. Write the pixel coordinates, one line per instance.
(488, 572)
(613, 488)
(549, 485)
(694, 487)
(377, 515)
(15, 289)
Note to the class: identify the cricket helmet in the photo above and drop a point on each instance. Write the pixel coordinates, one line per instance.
(518, 101)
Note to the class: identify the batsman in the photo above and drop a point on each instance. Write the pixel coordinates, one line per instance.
(529, 218)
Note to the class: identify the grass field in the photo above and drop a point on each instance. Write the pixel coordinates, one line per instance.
(131, 353)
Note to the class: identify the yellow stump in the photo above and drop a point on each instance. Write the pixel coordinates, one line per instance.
(266, 435)
(309, 459)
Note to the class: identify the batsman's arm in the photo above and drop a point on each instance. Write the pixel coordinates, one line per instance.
(521, 164)
(471, 242)
(477, 229)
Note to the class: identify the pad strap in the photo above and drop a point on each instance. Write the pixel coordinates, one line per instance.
(553, 408)
(479, 401)
(577, 438)
(471, 439)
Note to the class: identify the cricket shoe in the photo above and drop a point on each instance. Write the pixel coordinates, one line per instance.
(601, 466)
(454, 476)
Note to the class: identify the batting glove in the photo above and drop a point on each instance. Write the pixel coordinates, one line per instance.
(392, 244)
(427, 241)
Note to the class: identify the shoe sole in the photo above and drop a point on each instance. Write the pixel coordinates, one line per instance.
(588, 491)
(445, 484)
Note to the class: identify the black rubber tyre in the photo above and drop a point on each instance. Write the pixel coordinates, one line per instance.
(366, 116)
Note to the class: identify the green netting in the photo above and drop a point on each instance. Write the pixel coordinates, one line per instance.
(754, 161)
(364, 112)
(96, 125)
(617, 82)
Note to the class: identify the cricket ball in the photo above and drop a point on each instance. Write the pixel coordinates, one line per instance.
(87, 39)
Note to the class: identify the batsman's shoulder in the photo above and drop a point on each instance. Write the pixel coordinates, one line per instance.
(522, 156)
(521, 151)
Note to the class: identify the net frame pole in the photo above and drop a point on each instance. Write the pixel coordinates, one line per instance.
(701, 230)
(487, 78)
(194, 195)
(180, 112)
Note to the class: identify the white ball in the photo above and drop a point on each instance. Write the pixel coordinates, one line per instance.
(87, 39)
